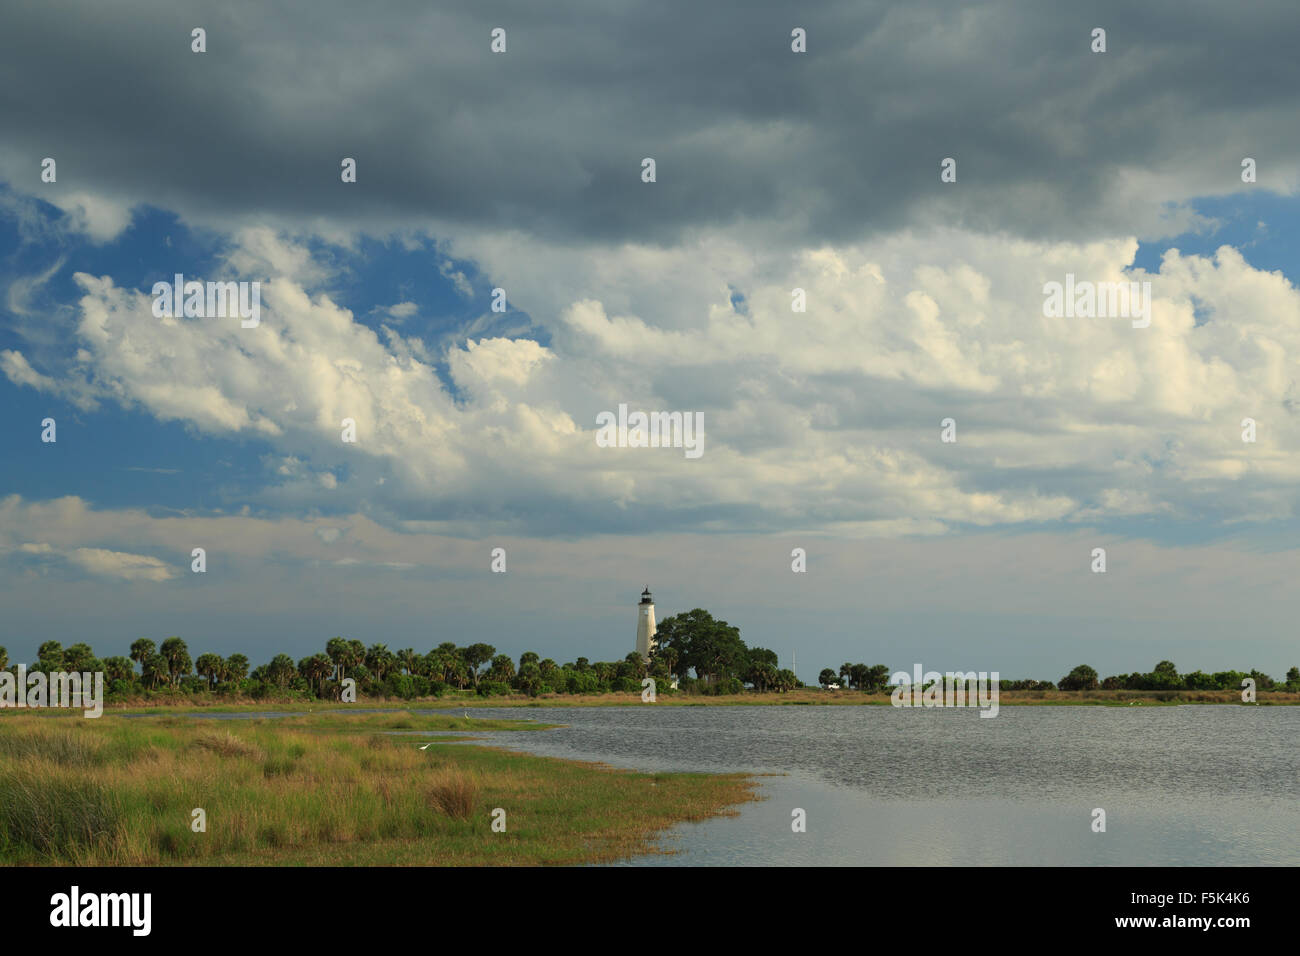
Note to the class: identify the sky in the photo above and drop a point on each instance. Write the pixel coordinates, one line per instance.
(775, 170)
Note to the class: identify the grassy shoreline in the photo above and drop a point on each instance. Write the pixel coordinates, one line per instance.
(325, 789)
(804, 697)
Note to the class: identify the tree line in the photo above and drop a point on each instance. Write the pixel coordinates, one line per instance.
(696, 652)
(694, 642)
(1165, 676)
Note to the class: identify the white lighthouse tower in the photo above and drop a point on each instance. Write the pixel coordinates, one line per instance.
(645, 625)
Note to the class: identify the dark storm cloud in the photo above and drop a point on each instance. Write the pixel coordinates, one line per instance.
(843, 141)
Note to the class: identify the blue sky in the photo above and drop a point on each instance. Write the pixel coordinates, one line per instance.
(121, 457)
(1265, 226)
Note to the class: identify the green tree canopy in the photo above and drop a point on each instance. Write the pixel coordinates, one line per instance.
(236, 667)
(475, 656)
(177, 656)
(281, 670)
(50, 656)
(1082, 677)
(142, 649)
(713, 648)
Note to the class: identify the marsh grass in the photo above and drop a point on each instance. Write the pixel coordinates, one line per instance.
(322, 789)
(455, 794)
(60, 745)
(50, 814)
(227, 745)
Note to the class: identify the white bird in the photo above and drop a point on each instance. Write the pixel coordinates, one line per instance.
(427, 746)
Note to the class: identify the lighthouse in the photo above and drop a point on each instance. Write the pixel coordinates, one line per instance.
(645, 625)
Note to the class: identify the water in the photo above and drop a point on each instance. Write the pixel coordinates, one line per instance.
(1189, 785)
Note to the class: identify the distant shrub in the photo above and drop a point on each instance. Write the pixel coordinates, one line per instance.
(399, 685)
(722, 688)
(580, 682)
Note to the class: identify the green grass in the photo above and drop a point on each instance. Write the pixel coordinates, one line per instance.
(322, 789)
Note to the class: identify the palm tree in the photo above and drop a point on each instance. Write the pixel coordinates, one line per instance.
(154, 669)
(356, 653)
(50, 655)
(236, 667)
(762, 675)
(339, 653)
(670, 656)
(529, 678)
(379, 660)
(142, 650)
(316, 668)
(502, 669)
(177, 656)
(119, 668)
(280, 671)
(79, 657)
(211, 667)
(446, 655)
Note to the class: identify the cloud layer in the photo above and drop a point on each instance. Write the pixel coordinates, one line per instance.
(813, 420)
(776, 172)
(1052, 140)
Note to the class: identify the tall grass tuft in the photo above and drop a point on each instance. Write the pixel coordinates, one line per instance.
(66, 747)
(455, 794)
(55, 817)
(278, 766)
(227, 745)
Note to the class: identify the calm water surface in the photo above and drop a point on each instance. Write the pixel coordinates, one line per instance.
(1190, 785)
